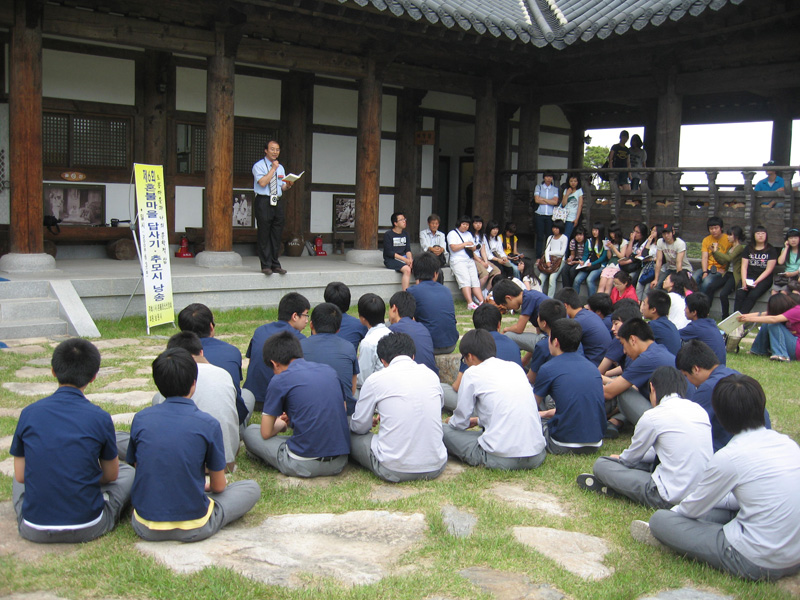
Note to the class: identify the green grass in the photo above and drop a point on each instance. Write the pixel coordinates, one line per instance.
(112, 567)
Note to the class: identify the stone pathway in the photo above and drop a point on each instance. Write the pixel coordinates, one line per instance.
(7, 467)
(578, 553)
(509, 586)
(33, 349)
(356, 548)
(135, 398)
(458, 522)
(5, 443)
(123, 418)
(39, 362)
(31, 372)
(537, 501)
(31, 389)
(12, 544)
(115, 343)
(687, 593)
(790, 585)
(10, 412)
(389, 492)
(126, 383)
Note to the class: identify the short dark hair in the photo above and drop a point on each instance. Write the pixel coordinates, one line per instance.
(396, 216)
(695, 353)
(580, 229)
(282, 348)
(463, 219)
(510, 227)
(372, 308)
(434, 217)
(405, 304)
(668, 380)
(187, 340)
(503, 289)
(739, 402)
(698, 303)
(174, 372)
(637, 327)
(492, 225)
(560, 225)
(569, 296)
(271, 141)
(600, 302)
(625, 311)
(659, 301)
(736, 232)
(624, 134)
(479, 343)
(326, 318)
(290, 304)
(197, 318)
(779, 303)
(568, 332)
(338, 293)
(425, 266)
(75, 362)
(394, 345)
(487, 316)
(623, 277)
(680, 282)
(714, 222)
(552, 310)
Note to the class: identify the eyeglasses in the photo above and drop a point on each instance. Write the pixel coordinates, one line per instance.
(304, 315)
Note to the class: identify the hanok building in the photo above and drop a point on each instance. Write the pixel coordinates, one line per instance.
(404, 105)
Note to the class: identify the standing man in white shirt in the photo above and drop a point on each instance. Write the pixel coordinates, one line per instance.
(499, 394)
(408, 400)
(545, 198)
(269, 185)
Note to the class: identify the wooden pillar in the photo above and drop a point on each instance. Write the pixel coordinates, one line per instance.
(406, 164)
(219, 149)
(650, 137)
(485, 152)
(25, 123)
(668, 126)
(529, 121)
(577, 149)
(297, 105)
(368, 158)
(502, 193)
(781, 133)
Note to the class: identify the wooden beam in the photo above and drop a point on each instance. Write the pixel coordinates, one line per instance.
(668, 127)
(485, 151)
(755, 79)
(368, 159)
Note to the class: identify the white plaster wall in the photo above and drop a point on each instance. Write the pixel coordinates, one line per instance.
(5, 172)
(552, 115)
(385, 209)
(120, 201)
(85, 77)
(389, 113)
(188, 207)
(335, 106)
(426, 172)
(321, 212)
(449, 102)
(191, 89)
(334, 159)
(388, 149)
(257, 97)
(553, 162)
(425, 209)
(553, 141)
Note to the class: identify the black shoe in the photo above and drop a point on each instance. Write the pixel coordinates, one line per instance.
(279, 271)
(587, 481)
(266, 271)
(612, 431)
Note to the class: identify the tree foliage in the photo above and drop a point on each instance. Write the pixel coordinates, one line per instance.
(594, 158)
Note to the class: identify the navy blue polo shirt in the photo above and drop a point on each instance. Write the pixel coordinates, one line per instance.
(227, 356)
(313, 397)
(706, 330)
(666, 334)
(608, 323)
(595, 338)
(702, 395)
(330, 349)
(422, 340)
(62, 437)
(436, 311)
(171, 445)
(615, 352)
(541, 354)
(531, 299)
(576, 386)
(638, 371)
(507, 349)
(352, 330)
(258, 374)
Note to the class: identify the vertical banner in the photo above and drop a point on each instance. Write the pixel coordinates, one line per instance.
(156, 273)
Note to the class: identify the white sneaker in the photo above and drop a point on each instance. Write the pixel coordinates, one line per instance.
(472, 306)
(640, 531)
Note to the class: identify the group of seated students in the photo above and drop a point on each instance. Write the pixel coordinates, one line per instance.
(701, 452)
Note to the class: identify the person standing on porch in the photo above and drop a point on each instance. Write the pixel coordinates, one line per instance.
(545, 198)
(268, 185)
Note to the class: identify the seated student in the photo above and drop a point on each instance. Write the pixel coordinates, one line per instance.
(214, 394)
(577, 423)
(675, 285)
(655, 308)
(432, 240)
(172, 445)
(397, 249)
(630, 388)
(779, 334)
(499, 394)
(435, 307)
(601, 305)
(351, 329)
(371, 312)
(700, 365)
(325, 347)
(408, 401)
(596, 336)
(550, 311)
(507, 295)
(402, 307)
(624, 287)
(668, 453)
(310, 397)
(68, 485)
(487, 317)
(743, 516)
(198, 319)
(624, 311)
(702, 327)
(293, 317)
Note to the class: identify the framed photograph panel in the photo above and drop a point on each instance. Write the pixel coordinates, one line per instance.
(79, 205)
(243, 208)
(344, 213)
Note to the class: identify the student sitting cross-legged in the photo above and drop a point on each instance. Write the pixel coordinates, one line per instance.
(655, 308)
(499, 394)
(173, 445)
(668, 452)
(371, 312)
(68, 484)
(507, 295)
(407, 399)
(701, 326)
(309, 397)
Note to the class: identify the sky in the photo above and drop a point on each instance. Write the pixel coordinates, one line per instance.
(730, 144)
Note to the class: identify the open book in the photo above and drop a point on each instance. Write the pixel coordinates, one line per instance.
(585, 265)
(292, 177)
(730, 324)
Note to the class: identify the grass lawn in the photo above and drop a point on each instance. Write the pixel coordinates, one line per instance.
(112, 567)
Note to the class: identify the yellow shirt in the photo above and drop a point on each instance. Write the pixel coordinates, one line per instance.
(723, 246)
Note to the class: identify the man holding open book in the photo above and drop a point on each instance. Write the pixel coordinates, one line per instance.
(269, 184)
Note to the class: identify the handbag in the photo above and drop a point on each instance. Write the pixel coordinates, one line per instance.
(560, 213)
(554, 265)
(648, 272)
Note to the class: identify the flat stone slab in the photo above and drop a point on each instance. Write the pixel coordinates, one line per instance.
(136, 398)
(509, 586)
(687, 593)
(790, 585)
(39, 362)
(578, 553)
(459, 523)
(126, 383)
(7, 466)
(25, 349)
(41, 389)
(144, 371)
(287, 482)
(108, 371)
(12, 544)
(453, 469)
(123, 418)
(31, 372)
(538, 501)
(27, 341)
(356, 548)
(5, 443)
(116, 343)
(390, 492)
(10, 412)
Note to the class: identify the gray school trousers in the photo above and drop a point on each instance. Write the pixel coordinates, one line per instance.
(634, 482)
(464, 445)
(632, 405)
(275, 453)
(526, 340)
(361, 452)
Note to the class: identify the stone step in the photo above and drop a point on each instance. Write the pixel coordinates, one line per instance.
(24, 289)
(23, 309)
(44, 327)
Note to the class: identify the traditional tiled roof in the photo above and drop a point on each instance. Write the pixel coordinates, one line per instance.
(558, 23)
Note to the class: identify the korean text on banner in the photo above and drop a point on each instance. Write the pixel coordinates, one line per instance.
(157, 276)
